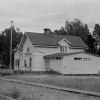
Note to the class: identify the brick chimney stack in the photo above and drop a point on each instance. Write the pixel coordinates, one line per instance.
(47, 31)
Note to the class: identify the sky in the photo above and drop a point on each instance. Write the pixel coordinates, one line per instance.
(35, 15)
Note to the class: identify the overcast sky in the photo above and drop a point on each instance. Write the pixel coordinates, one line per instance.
(35, 15)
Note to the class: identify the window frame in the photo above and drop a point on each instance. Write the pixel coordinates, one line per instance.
(28, 49)
(63, 49)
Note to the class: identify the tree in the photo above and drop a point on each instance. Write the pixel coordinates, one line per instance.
(77, 28)
(91, 44)
(5, 37)
(60, 31)
(96, 31)
(96, 35)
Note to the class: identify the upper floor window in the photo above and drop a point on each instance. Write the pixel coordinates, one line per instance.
(63, 48)
(28, 49)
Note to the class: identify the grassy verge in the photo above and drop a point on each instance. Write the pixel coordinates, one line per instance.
(16, 94)
(90, 83)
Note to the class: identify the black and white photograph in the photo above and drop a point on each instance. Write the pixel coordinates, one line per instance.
(49, 49)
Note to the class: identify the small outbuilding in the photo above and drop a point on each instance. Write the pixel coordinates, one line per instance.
(73, 63)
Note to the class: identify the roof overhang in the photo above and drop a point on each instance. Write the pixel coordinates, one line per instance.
(47, 46)
(61, 54)
(22, 40)
(77, 47)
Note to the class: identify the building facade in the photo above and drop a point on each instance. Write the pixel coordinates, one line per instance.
(44, 51)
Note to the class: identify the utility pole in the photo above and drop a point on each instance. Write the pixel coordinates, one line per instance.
(10, 67)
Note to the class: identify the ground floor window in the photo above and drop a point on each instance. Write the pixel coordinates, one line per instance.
(17, 63)
(25, 64)
(79, 58)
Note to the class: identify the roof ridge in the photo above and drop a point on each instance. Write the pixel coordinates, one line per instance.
(34, 32)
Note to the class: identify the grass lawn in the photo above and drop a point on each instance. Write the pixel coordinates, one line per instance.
(28, 92)
(90, 83)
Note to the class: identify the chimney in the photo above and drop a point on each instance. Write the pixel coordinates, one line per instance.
(47, 31)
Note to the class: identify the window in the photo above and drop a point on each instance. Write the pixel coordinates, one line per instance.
(28, 49)
(63, 49)
(87, 59)
(25, 64)
(58, 58)
(15, 63)
(47, 59)
(77, 58)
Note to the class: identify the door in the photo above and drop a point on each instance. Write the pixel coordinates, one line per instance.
(30, 64)
(47, 65)
(18, 64)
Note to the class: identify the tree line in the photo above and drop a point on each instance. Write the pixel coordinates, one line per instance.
(5, 37)
(73, 28)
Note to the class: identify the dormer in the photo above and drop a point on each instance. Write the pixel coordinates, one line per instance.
(64, 45)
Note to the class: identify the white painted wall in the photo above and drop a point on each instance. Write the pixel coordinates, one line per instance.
(39, 53)
(39, 63)
(56, 65)
(69, 50)
(47, 50)
(75, 50)
(26, 44)
(71, 66)
(24, 56)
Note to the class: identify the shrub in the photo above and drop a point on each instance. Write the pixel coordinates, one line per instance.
(14, 93)
(51, 71)
(27, 97)
(19, 72)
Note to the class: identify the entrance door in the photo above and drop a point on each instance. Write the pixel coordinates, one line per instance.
(47, 65)
(30, 64)
(18, 65)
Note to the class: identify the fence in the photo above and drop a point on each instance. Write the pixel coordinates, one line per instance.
(6, 71)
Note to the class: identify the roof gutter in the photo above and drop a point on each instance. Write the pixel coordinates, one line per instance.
(45, 46)
(75, 47)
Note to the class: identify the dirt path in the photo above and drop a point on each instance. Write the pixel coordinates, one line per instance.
(43, 93)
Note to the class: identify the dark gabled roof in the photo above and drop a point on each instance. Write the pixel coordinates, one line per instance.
(52, 40)
(61, 54)
(75, 41)
(41, 39)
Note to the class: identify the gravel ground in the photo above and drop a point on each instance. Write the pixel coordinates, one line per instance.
(41, 93)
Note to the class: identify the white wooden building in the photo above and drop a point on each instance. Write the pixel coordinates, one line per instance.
(44, 51)
(74, 63)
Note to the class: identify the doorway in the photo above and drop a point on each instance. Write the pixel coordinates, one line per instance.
(47, 65)
(30, 64)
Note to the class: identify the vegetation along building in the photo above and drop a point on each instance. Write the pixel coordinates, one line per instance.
(61, 53)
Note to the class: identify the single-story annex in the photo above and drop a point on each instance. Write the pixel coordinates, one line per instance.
(61, 53)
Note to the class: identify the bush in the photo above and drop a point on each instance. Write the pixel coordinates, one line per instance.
(19, 72)
(51, 71)
(27, 97)
(14, 93)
